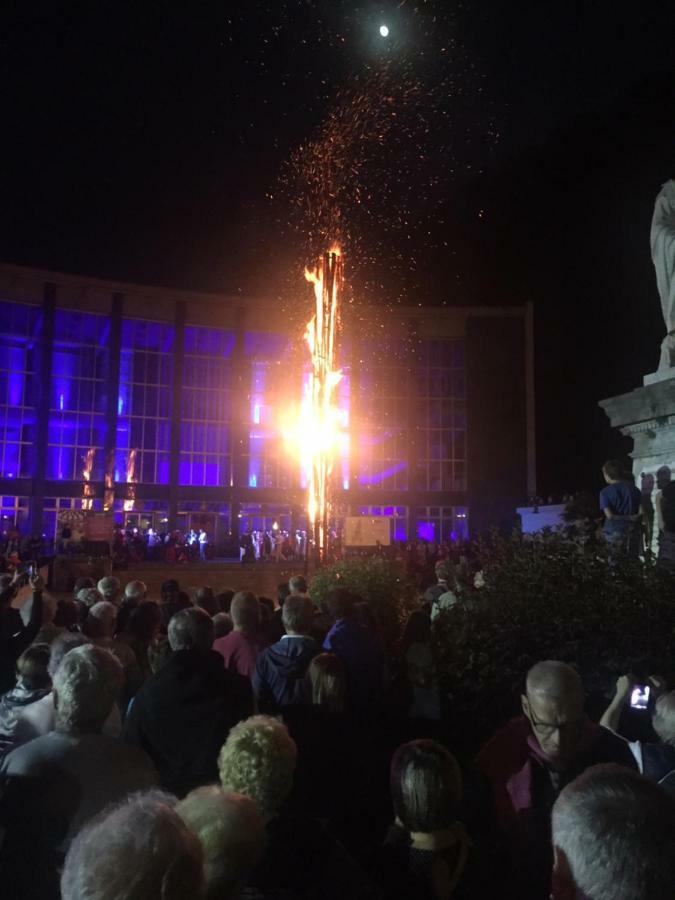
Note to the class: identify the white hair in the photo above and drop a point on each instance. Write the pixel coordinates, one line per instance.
(86, 684)
(139, 850)
(89, 596)
(231, 832)
(616, 830)
(110, 587)
(102, 616)
(136, 590)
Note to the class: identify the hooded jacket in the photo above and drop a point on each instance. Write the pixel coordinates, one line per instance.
(279, 677)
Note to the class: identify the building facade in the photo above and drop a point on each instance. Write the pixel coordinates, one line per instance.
(169, 407)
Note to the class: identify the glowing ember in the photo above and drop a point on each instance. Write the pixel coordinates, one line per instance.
(131, 479)
(88, 488)
(316, 434)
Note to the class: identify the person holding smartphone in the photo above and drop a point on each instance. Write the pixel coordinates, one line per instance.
(14, 635)
(655, 759)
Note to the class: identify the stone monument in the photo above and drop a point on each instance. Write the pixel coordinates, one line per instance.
(647, 414)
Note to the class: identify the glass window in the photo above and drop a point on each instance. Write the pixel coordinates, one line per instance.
(20, 327)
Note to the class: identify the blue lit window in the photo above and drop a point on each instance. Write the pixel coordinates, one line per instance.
(20, 326)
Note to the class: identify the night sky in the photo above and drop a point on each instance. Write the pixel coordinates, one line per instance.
(483, 153)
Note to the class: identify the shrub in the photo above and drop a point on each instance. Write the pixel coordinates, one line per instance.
(550, 598)
(378, 581)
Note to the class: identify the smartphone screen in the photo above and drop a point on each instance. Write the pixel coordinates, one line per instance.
(639, 698)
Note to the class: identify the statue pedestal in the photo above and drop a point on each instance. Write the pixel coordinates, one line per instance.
(647, 415)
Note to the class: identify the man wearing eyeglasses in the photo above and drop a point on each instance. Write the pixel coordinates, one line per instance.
(530, 760)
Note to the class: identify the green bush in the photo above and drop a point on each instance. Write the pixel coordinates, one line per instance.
(551, 598)
(377, 580)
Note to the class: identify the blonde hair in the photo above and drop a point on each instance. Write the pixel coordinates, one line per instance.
(327, 677)
(231, 832)
(258, 760)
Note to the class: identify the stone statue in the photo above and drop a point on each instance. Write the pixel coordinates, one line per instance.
(663, 254)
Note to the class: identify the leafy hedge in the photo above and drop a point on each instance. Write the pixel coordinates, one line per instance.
(552, 598)
(379, 581)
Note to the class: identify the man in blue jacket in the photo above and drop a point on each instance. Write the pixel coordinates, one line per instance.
(280, 670)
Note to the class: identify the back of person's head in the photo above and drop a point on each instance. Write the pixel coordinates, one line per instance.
(88, 597)
(145, 620)
(283, 591)
(442, 570)
(110, 588)
(327, 677)
(204, 598)
(364, 615)
(49, 607)
(258, 760)
(66, 613)
(136, 590)
(245, 611)
(417, 629)
(663, 720)
(139, 850)
(191, 629)
(222, 625)
(86, 684)
(298, 614)
(339, 603)
(426, 786)
(614, 469)
(231, 832)
(82, 583)
(169, 589)
(63, 644)
(100, 622)
(613, 837)
(33, 667)
(224, 600)
(297, 584)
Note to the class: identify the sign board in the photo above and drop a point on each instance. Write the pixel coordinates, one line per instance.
(367, 531)
(98, 526)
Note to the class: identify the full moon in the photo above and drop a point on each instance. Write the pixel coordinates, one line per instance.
(384, 31)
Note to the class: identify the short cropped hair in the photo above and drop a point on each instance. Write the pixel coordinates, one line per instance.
(327, 677)
(33, 666)
(101, 620)
(231, 832)
(63, 644)
(205, 599)
(297, 614)
(614, 469)
(136, 590)
(89, 596)
(258, 760)
(86, 685)
(222, 625)
(245, 610)
(426, 786)
(297, 584)
(138, 850)
(339, 603)
(191, 629)
(616, 830)
(81, 583)
(110, 588)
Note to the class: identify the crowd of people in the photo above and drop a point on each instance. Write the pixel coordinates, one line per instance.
(227, 745)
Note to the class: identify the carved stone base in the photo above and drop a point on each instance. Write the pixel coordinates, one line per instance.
(647, 415)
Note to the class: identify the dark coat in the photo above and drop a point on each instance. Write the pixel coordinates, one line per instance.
(182, 715)
(279, 677)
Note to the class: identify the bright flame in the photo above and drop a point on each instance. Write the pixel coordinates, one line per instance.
(316, 433)
(87, 490)
(131, 479)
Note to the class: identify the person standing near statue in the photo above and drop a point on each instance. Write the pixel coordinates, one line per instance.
(621, 503)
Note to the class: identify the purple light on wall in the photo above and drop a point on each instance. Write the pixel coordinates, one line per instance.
(426, 531)
(379, 477)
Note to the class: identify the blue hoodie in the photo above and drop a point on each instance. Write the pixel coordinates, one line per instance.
(279, 677)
